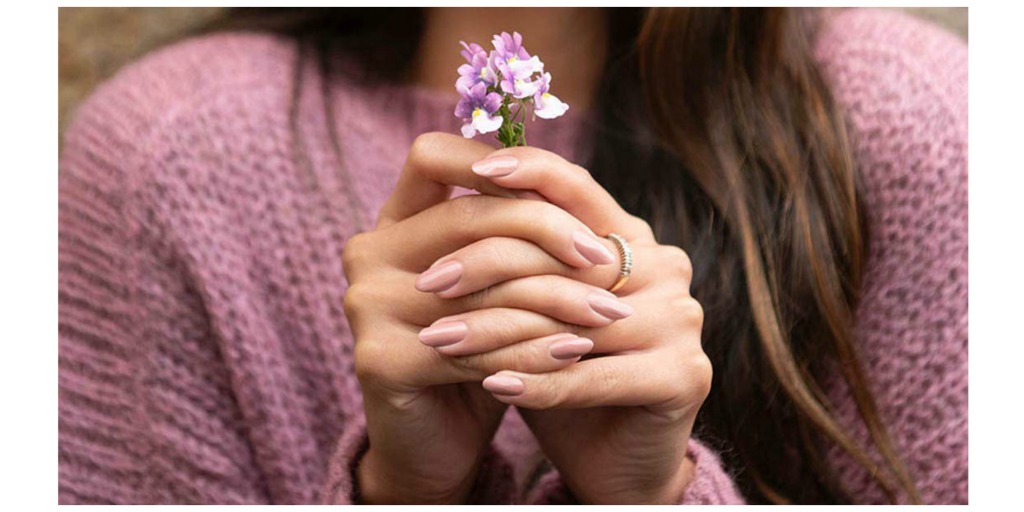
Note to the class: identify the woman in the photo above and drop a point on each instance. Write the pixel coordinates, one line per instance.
(793, 328)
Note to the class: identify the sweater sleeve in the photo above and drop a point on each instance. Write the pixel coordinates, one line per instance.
(711, 484)
(146, 413)
(904, 86)
(495, 483)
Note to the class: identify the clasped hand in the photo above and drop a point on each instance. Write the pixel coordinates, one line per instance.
(462, 307)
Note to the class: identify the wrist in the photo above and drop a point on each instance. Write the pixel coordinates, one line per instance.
(379, 484)
(669, 491)
(674, 492)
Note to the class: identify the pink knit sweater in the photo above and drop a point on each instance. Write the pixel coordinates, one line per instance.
(204, 353)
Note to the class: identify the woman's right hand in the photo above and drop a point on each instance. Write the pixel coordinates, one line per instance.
(429, 421)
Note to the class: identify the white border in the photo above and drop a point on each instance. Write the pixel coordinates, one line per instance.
(28, 198)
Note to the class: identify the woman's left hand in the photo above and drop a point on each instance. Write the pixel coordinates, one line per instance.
(615, 425)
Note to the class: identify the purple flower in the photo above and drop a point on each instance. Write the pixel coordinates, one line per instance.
(545, 104)
(477, 108)
(492, 83)
(517, 76)
(515, 65)
(478, 68)
(510, 47)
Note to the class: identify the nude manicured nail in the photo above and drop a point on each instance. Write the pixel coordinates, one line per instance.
(440, 278)
(504, 385)
(445, 334)
(591, 249)
(571, 348)
(609, 307)
(496, 166)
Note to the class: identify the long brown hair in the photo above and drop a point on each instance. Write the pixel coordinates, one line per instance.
(720, 131)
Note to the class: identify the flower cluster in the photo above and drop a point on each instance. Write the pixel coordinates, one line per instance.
(493, 83)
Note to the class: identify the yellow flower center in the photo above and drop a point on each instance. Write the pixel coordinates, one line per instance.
(482, 71)
(478, 112)
(545, 96)
(513, 59)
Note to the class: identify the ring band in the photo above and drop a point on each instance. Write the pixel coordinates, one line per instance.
(626, 257)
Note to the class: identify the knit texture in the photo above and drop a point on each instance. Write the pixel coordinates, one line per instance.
(204, 354)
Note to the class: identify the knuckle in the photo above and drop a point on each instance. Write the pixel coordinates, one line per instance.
(555, 291)
(355, 253)
(424, 146)
(686, 386)
(479, 300)
(640, 226)
(499, 252)
(464, 211)
(678, 261)
(370, 361)
(544, 216)
(580, 173)
(688, 311)
(609, 379)
(355, 299)
(523, 357)
(471, 366)
(545, 395)
(569, 328)
(606, 378)
(699, 377)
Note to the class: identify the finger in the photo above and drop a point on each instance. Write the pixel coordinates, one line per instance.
(491, 261)
(561, 298)
(658, 311)
(494, 260)
(558, 297)
(485, 330)
(564, 184)
(444, 228)
(538, 355)
(436, 162)
(643, 319)
(647, 379)
(401, 366)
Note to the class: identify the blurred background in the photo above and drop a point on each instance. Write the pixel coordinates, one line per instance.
(95, 42)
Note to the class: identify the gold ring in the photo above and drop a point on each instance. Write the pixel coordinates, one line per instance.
(626, 257)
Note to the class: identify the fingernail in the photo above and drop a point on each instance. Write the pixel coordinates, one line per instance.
(591, 249)
(443, 334)
(496, 166)
(571, 348)
(529, 194)
(504, 385)
(609, 307)
(440, 278)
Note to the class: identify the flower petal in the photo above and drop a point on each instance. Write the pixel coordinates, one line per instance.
(463, 110)
(526, 89)
(522, 69)
(485, 123)
(471, 51)
(507, 87)
(478, 91)
(549, 106)
(488, 75)
(464, 89)
(492, 102)
(545, 83)
(465, 83)
(499, 44)
(468, 131)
